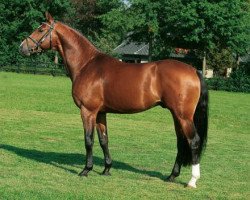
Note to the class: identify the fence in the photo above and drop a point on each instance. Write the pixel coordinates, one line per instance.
(32, 67)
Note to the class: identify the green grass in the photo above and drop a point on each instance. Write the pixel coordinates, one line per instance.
(41, 147)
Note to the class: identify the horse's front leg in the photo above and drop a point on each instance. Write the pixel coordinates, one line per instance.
(89, 122)
(101, 126)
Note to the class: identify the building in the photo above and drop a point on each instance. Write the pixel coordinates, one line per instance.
(133, 52)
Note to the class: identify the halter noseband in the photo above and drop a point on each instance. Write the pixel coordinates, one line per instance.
(38, 43)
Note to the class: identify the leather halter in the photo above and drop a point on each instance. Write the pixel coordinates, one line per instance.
(38, 43)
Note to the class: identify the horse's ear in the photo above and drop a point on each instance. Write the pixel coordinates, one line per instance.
(49, 18)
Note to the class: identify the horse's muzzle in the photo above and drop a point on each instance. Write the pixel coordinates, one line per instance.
(23, 49)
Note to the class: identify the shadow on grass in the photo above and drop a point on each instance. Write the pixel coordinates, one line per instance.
(59, 159)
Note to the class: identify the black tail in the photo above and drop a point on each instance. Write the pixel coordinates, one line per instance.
(201, 115)
(200, 123)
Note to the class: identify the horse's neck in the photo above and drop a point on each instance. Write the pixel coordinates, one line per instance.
(75, 49)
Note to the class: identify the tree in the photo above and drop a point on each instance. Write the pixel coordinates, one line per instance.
(18, 19)
(202, 25)
(219, 60)
(87, 18)
(208, 24)
(215, 26)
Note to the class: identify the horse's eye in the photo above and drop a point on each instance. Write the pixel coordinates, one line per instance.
(40, 30)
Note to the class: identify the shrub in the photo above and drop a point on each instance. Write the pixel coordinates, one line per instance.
(239, 81)
(220, 59)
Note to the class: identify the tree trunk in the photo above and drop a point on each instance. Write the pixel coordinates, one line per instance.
(204, 65)
(150, 47)
(56, 59)
(237, 61)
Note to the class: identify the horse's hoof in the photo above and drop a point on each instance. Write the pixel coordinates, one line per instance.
(83, 173)
(191, 186)
(170, 179)
(105, 173)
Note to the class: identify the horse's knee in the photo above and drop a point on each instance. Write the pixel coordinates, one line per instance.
(89, 141)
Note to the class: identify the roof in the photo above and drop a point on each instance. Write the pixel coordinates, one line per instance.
(142, 49)
(132, 48)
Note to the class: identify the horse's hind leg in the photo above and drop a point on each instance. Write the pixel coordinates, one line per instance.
(191, 154)
(101, 126)
(180, 152)
(188, 143)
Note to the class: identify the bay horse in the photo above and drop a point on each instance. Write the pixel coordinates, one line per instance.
(102, 84)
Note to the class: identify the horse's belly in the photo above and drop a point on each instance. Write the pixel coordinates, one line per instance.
(131, 101)
(127, 109)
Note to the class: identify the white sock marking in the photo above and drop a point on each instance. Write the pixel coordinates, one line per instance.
(195, 175)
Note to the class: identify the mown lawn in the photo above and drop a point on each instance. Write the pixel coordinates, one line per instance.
(42, 151)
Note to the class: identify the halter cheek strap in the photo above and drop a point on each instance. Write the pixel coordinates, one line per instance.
(40, 41)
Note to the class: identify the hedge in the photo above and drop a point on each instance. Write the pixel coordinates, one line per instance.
(49, 69)
(239, 81)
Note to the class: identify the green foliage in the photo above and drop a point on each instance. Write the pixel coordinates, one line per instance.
(216, 83)
(48, 68)
(202, 25)
(18, 19)
(210, 24)
(239, 81)
(220, 59)
(86, 17)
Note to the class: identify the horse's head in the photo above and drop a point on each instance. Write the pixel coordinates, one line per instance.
(41, 39)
